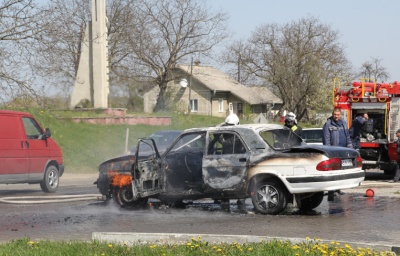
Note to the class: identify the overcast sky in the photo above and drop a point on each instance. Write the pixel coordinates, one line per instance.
(367, 28)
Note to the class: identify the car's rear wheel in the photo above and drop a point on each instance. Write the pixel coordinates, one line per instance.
(50, 181)
(124, 197)
(311, 202)
(269, 197)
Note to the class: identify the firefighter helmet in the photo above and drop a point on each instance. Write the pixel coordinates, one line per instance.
(232, 119)
(290, 117)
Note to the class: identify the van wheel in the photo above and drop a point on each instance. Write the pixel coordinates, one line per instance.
(50, 181)
(269, 198)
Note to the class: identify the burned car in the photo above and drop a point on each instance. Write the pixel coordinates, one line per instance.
(266, 162)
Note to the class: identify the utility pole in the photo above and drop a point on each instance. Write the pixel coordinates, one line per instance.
(190, 87)
(239, 60)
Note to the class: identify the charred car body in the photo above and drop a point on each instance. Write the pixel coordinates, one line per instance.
(266, 162)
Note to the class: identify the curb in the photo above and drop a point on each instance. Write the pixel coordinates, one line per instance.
(129, 238)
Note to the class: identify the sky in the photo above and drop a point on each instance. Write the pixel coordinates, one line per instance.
(367, 28)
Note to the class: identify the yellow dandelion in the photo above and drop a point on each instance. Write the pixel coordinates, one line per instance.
(189, 244)
(250, 249)
(215, 247)
(125, 243)
(31, 242)
(110, 246)
(219, 250)
(199, 238)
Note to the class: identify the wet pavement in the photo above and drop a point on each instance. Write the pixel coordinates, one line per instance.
(351, 217)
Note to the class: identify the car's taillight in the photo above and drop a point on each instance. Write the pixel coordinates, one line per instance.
(329, 165)
(358, 161)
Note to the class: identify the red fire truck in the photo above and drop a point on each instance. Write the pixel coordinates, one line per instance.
(381, 101)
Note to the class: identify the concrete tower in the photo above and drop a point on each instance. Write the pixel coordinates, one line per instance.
(91, 83)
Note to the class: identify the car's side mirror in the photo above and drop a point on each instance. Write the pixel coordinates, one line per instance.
(47, 133)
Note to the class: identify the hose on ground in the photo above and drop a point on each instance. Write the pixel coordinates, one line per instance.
(49, 199)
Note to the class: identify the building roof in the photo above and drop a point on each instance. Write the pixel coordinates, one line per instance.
(217, 80)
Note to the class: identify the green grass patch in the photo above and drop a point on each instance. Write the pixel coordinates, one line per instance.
(193, 247)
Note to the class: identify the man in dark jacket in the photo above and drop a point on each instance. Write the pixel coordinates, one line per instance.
(355, 129)
(335, 131)
(397, 175)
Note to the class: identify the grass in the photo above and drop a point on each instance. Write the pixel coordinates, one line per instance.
(194, 247)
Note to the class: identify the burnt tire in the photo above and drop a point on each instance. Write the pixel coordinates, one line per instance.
(269, 197)
(50, 181)
(311, 202)
(124, 197)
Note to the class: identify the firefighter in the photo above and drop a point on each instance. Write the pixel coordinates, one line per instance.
(335, 131)
(397, 175)
(355, 129)
(291, 122)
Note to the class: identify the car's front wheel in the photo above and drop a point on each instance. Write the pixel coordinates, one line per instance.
(124, 197)
(269, 197)
(50, 181)
(311, 202)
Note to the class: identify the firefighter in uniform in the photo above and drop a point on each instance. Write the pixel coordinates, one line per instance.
(291, 122)
(397, 175)
(355, 129)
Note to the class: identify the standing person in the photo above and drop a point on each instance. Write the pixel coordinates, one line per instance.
(335, 131)
(291, 122)
(355, 129)
(397, 175)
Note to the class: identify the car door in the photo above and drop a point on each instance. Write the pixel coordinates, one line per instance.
(38, 147)
(14, 160)
(182, 164)
(146, 175)
(225, 164)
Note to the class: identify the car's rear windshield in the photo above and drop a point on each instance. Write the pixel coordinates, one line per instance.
(281, 139)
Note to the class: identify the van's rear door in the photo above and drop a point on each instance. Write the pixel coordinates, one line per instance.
(14, 161)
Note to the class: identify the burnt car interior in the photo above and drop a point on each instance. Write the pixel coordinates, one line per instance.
(225, 143)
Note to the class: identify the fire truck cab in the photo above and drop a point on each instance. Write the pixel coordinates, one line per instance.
(381, 101)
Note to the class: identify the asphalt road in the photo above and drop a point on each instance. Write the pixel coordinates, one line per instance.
(352, 217)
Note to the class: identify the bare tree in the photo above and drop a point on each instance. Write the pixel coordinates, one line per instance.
(167, 32)
(373, 70)
(298, 61)
(59, 43)
(17, 29)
